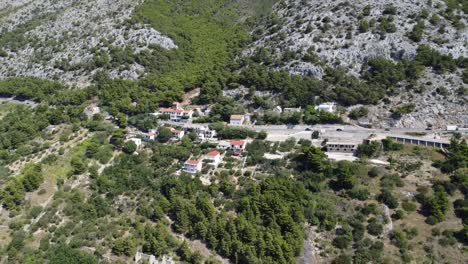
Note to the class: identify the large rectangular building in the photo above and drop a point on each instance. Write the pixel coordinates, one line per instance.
(344, 147)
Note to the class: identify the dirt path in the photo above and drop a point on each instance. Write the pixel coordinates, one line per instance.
(310, 252)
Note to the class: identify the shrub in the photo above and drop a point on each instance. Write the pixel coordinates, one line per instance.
(409, 206)
(363, 26)
(357, 113)
(374, 227)
(417, 32)
(390, 10)
(129, 147)
(387, 198)
(399, 214)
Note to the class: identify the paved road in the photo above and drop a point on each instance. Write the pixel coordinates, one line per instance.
(290, 129)
(348, 133)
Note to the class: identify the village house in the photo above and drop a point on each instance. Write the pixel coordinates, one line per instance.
(237, 146)
(213, 158)
(91, 110)
(176, 113)
(326, 107)
(149, 136)
(236, 120)
(177, 134)
(192, 166)
(205, 133)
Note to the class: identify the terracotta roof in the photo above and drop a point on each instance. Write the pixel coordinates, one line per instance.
(237, 117)
(237, 142)
(175, 131)
(192, 162)
(213, 153)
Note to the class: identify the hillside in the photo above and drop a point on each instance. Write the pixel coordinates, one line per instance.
(71, 40)
(304, 37)
(233, 131)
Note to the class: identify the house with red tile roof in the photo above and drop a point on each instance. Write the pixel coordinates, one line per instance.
(237, 120)
(213, 158)
(238, 146)
(177, 134)
(176, 113)
(192, 166)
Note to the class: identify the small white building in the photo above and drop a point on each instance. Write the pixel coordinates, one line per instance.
(238, 146)
(149, 136)
(205, 133)
(326, 107)
(91, 110)
(213, 158)
(452, 128)
(192, 166)
(177, 134)
(236, 120)
(278, 109)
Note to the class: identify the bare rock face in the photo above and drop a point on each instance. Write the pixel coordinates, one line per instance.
(332, 30)
(69, 32)
(346, 33)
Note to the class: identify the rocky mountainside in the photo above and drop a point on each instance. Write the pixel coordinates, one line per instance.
(64, 39)
(346, 33)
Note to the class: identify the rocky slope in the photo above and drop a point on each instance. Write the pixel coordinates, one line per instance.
(346, 33)
(59, 39)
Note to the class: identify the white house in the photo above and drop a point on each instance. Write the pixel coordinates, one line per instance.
(238, 146)
(177, 134)
(176, 113)
(91, 110)
(278, 109)
(149, 136)
(236, 120)
(214, 158)
(205, 133)
(327, 107)
(224, 145)
(192, 166)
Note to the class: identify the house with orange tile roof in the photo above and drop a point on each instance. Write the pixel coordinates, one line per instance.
(192, 166)
(176, 113)
(237, 120)
(213, 158)
(177, 134)
(238, 146)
